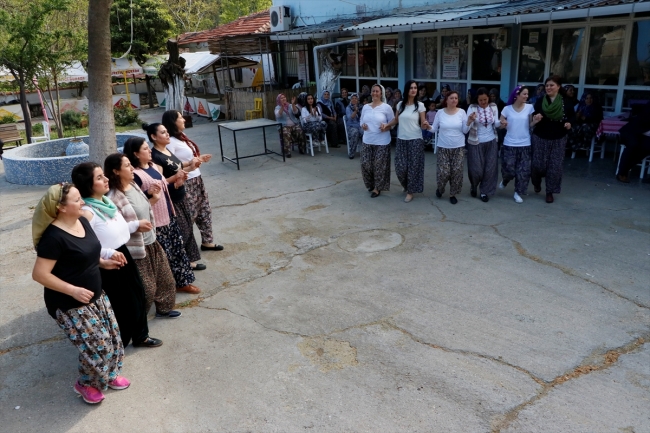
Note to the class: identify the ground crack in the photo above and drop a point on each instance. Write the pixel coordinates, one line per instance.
(37, 343)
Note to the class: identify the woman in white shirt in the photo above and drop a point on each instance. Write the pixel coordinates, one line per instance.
(409, 153)
(312, 120)
(482, 158)
(195, 193)
(123, 286)
(517, 118)
(375, 151)
(452, 124)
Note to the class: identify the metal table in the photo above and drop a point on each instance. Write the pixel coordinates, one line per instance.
(243, 126)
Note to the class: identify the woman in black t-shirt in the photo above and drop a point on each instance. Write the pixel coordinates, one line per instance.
(67, 264)
(175, 171)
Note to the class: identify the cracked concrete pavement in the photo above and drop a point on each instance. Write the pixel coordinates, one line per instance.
(330, 311)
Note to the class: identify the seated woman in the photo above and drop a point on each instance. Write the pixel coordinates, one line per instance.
(588, 117)
(312, 121)
(328, 113)
(288, 116)
(355, 133)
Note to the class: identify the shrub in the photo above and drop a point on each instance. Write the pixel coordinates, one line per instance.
(71, 119)
(8, 118)
(124, 114)
(37, 128)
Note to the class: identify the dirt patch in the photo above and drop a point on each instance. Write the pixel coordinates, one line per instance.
(328, 354)
(314, 207)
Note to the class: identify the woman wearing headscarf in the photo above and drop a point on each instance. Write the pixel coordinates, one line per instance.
(340, 107)
(451, 124)
(312, 121)
(196, 194)
(482, 159)
(288, 115)
(123, 286)
(355, 133)
(375, 150)
(409, 153)
(67, 265)
(149, 256)
(517, 119)
(588, 117)
(552, 121)
(397, 97)
(440, 99)
(328, 114)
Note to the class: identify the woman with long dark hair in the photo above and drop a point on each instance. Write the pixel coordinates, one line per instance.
(409, 153)
(451, 124)
(149, 178)
(482, 159)
(196, 195)
(176, 173)
(552, 121)
(67, 265)
(149, 256)
(312, 121)
(123, 286)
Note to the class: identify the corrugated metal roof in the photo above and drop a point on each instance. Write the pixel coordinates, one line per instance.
(254, 23)
(334, 27)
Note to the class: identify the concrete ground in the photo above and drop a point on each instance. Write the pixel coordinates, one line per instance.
(329, 311)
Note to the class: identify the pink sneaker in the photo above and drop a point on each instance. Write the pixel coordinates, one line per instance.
(120, 382)
(88, 393)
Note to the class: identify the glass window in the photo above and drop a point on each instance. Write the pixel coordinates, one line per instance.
(606, 97)
(368, 58)
(566, 54)
(348, 83)
(454, 57)
(461, 88)
(638, 66)
(605, 53)
(532, 58)
(348, 60)
(388, 59)
(635, 99)
(425, 58)
(486, 59)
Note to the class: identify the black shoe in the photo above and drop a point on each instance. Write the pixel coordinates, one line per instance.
(549, 197)
(622, 178)
(453, 200)
(375, 194)
(537, 188)
(485, 198)
(199, 267)
(371, 189)
(302, 152)
(149, 342)
(288, 155)
(173, 314)
(351, 157)
(438, 194)
(214, 248)
(472, 192)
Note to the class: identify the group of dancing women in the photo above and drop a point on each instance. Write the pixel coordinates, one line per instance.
(116, 241)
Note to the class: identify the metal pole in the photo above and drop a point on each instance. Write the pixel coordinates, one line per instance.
(317, 63)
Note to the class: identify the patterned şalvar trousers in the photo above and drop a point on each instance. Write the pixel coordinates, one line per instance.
(157, 278)
(171, 240)
(93, 330)
(355, 135)
(515, 164)
(186, 224)
(483, 166)
(409, 164)
(199, 206)
(547, 158)
(375, 166)
(450, 169)
(292, 135)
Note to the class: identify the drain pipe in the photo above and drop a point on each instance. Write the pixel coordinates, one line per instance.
(317, 62)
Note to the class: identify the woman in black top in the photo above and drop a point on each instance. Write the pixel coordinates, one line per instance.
(552, 121)
(328, 114)
(175, 172)
(67, 264)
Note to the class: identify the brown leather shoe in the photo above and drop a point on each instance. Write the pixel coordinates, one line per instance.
(189, 289)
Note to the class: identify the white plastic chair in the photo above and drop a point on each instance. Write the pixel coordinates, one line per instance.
(46, 133)
(311, 141)
(345, 126)
(645, 162)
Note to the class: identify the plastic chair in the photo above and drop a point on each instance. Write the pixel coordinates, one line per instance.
(345, 126)
(644, 162)
(256, 113)
(46, 133)
(311, 141)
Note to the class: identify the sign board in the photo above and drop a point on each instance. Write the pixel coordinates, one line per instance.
(450, 63)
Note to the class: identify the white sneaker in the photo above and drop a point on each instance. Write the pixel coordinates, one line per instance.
(501, 185)
(517, 198)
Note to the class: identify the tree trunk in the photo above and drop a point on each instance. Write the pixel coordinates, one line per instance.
(55, 113)
(100, 100)
(57, 117)
(27, 115)
(150, 93)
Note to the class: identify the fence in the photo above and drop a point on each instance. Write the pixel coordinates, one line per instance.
(238, 101)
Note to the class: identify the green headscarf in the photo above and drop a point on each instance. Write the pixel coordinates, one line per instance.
(103, 207)
(45, 212)
(553, 110)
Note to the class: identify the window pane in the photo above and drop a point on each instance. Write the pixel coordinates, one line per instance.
(486, 59)
(425, 58)
(638, 67)
(348, 83)
(635, 99)
(566, 54)
(606, 98)
(368, 58)
(454, 57)
(349, 60)
(388, 57)
(605, 53)
(461, 88)
(532, 58)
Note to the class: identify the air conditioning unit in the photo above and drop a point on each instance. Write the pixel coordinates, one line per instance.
(280, 18)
